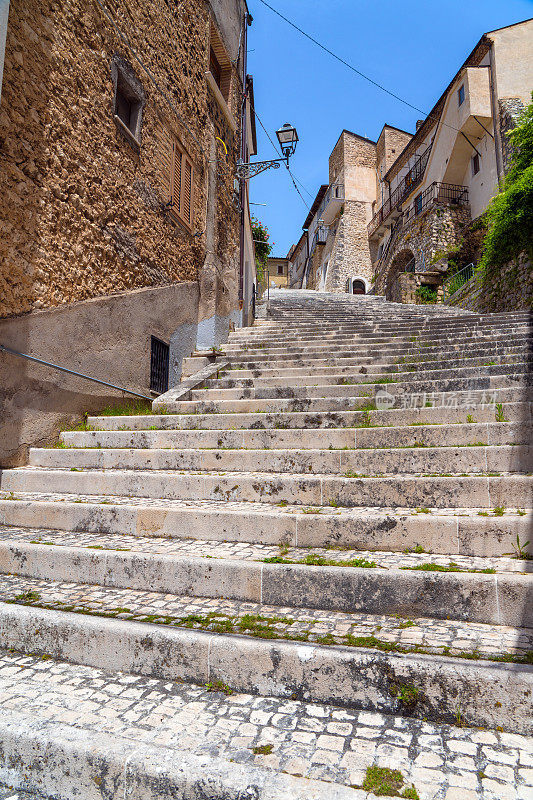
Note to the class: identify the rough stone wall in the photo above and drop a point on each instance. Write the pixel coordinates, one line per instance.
(510, 110)
(509, 288)
(81, 210)
(435, 230)
(350, 255)
(389, 146)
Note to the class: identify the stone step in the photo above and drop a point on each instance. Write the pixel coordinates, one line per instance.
(494, 433)
(160, 739)
(461, 531)
(417, 459)
(435, 490)
(363, 396)
(388, 345)
(386, 585)
(457, 412)
(344, 387)
(363, 663)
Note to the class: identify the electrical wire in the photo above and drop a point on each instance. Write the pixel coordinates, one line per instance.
(354, 69)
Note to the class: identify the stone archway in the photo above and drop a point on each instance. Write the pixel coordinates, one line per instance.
(357, 285)
(403, 261)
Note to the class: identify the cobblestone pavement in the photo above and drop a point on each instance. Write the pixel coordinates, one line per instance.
(243, 551)
(239, 506)
(8, 793)
(447, 637)
(316, 741)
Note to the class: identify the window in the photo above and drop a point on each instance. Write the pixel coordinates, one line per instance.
(181, 185)
(129, 100)
(219, 64)
(461, 94)
(476, 166)
(159, 360)
(418, 203)
(215, 68)
(280, 269)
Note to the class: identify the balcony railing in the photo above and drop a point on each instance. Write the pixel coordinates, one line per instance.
(449, 194)
(405, 187)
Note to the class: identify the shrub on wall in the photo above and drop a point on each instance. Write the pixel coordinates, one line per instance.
(509, 217)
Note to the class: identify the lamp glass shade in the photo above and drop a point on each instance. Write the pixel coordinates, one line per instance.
(287, 135)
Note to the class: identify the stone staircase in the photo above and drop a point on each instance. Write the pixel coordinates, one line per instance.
(315, 564)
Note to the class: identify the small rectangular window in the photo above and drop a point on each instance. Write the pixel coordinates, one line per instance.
(475, 164)
(159, 361)
(129, 99)
(280, 269)
(461, 94)
(123, 108)
(215, 68)
(418, 203)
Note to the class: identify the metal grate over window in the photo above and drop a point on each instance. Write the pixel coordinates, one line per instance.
(159, 360)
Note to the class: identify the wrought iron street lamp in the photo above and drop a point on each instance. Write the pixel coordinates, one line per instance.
(287, 138)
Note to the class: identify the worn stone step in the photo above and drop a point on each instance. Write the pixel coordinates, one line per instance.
(456, 412)
(136, 736)
(490, 594)
(283, 651)
(359, 397)
(345, 387)
(494, 433)
(461, 531)
(447, 491)
(417, 459)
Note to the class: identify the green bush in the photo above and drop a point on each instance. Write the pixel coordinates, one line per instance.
(509, 216)
(426, 294)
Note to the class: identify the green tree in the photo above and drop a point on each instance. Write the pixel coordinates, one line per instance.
(509, 216)
(263, 248)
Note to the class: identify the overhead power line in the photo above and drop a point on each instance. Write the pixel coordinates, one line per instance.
(352, 68)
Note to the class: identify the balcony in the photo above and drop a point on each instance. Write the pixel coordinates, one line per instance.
(332, 203)
(449, 194)
(391, 209)
(320, 237)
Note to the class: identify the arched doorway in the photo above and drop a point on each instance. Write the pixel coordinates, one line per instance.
(356, 285)
(404, 261)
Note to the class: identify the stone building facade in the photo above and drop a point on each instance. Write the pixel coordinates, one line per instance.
(400, 203)
(120, 126)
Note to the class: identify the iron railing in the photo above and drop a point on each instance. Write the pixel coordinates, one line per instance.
(405, 187)
(458, 280)
(5, 349)
(445, 193)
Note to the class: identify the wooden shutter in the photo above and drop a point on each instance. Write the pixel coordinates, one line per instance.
(186, 193)
(175, 177)
(181, 184)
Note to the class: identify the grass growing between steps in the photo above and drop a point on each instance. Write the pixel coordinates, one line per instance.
(312, 560)
(385, 782)
(451, 567)
(262, 627)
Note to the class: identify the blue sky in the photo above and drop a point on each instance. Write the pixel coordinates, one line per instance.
(413, 47)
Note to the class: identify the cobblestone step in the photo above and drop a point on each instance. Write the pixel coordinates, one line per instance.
(447, 491)
(470, 532)
(282, 651)
(494, 433)
(365, 462)
(381, 586)
(455, 413)
(97, 721)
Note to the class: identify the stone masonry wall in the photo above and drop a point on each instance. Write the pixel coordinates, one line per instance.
(389, 146)
(350, 255)
(435, 230)
(509, 288)
(81, 210)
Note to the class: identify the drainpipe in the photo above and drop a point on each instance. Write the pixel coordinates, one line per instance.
(243, 188)
(495, 115)
(4, 14)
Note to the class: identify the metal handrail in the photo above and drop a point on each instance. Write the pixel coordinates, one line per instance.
(458, 280)
(72, 372)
